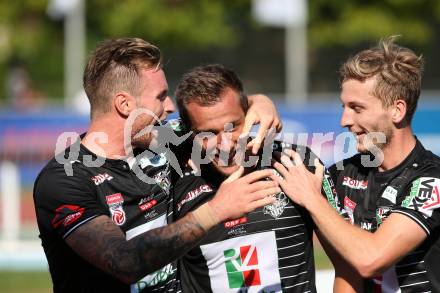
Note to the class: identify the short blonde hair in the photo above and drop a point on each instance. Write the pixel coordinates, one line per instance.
(397, 71)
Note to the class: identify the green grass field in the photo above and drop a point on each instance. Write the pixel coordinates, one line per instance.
(39, 281)
(25, 282)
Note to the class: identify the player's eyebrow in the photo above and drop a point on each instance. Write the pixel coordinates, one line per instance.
(162, 95)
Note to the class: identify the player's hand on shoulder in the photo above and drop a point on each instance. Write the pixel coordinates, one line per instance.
(240, 194)
(263, 111)
(297, 182)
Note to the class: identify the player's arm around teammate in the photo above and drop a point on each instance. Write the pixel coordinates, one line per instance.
(102, 243)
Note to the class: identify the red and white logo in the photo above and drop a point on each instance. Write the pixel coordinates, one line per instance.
(233, 223)
(146, 205)
(355, 184)
(247, 263)
(100, 178)
(242, 267)
(66, 215)
(425, 195)
(349, 204)
(118, 216)
(194, 194)
(115, 202)
(349, 207)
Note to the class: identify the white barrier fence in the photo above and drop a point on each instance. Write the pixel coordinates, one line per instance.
(15, 253)
(10, 202)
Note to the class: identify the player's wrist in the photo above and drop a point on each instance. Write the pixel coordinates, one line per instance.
(314, 202)
(206, 216)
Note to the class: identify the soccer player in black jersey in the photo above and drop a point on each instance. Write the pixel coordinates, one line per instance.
(266, 250)
(390, 189)
(102, 223)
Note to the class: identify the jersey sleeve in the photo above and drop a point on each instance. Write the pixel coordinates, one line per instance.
(422, 203)
(189, 192)
(329, 188)
(329, 191)
(64, 203)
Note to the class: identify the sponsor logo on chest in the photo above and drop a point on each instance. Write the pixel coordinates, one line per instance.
(349, 207)
(276, 208)
(163, 180)
(100, 178)
(349, 204)
(382, 213)
(242, 267)
(115, 203)
(233, 223)
(247, 263)
(390, 194)
(145, 204)
(366, 226)
(355, 184)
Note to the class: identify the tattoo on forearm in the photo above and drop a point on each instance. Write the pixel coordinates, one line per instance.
(103, 244)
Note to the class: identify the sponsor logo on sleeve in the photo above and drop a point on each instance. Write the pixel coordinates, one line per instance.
(330, 191)
(194, 194)
(100, 178)
(115, 203)
(355, 184)
(66, 215)
(424, 195)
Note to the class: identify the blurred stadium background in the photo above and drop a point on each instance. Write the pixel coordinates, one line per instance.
(288, 49)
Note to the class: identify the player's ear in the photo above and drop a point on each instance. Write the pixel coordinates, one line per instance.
(124, 103)
(398, 112)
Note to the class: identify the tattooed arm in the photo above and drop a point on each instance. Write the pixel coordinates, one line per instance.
(102, 243)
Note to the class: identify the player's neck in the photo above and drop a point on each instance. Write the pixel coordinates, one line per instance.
(401, 145)
(111, 129)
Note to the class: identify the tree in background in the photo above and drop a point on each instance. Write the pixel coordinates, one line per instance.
(211, 26)
(344, 23)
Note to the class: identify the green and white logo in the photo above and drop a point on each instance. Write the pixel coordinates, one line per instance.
(243, 264)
